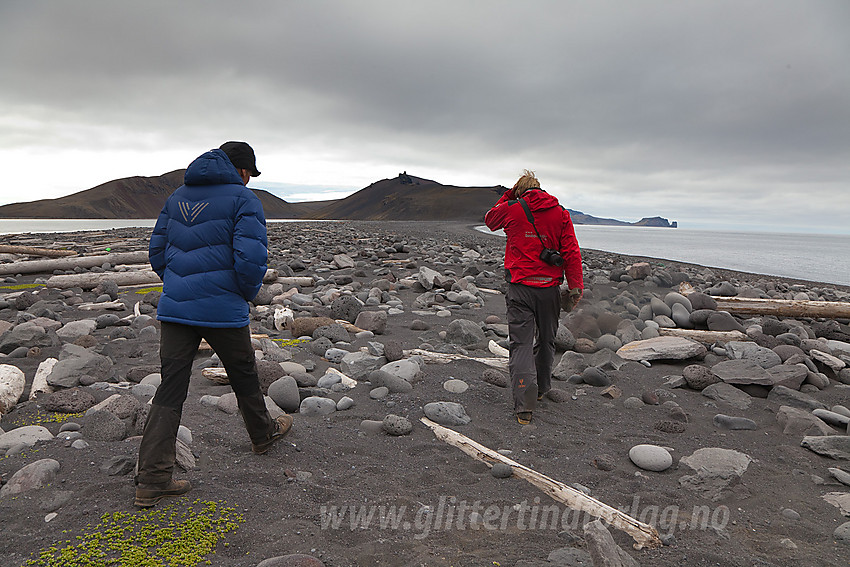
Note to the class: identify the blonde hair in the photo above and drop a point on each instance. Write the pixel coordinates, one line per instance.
(525, 182)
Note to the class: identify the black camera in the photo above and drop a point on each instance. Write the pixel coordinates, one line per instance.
(551, 257)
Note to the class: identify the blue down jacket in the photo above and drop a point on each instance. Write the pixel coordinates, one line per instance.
(209, 246)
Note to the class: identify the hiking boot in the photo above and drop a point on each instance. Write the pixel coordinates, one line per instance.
(523, 417)
(149, 494)
(283, 424)
(540, 396)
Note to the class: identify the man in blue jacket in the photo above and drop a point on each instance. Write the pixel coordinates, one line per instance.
(209, 246)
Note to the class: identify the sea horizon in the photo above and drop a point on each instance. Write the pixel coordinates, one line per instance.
(813, 257)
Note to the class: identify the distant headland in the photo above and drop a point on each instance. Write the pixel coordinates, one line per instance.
(404, 197)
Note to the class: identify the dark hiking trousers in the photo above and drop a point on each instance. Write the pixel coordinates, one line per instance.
(177, 350)
(531, 309)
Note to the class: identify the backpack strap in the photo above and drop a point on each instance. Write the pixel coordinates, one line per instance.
(530, 218)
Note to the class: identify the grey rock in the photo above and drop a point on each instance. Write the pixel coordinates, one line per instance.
(659, 307)
(662, 348)
(840, 475)
(26, 335)
(715, 469)
(741, 350)
(465, 333)
(501, 470)
(564, 339)
(76, 361)
(799, 422)
(493, 376)
(447, 413)
(284, 392)
(73, 330)
(118, 465)
(228, 404)
(832, 418)
(379, 393)
(723, 289)
(344, 403)
(787, 397)
(27, 435)
(102, 425)
(455, 386)
(699, 377)
(71, 400)
(357, 365)
(788, 375)
(34, 475)
(405, 369)
(633, 403)
(610, 342)
(602, 548)
(570, 363)
(346, 307)
(734, 423)
(681, 316)
(317, 406)
(595, 377)
(728, 394)
(742, 372)
(329, 379)
(723, 321)
(335, 333)
(842, 534)
(832, 446)
(427, 277)
(375, 321)
(651, 457)
(397, 425)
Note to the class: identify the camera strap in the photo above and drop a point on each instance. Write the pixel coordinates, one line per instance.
(530, 218)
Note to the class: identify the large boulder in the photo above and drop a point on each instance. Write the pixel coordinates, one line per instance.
(12, 383)
(465, 333)
(34, 475)
(662, 348)
(27, 335)
(75, 362)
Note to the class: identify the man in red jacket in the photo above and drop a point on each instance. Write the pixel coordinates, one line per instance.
(541, 250)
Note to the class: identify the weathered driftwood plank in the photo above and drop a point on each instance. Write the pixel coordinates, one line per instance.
(644, 535)
(39, 266)
(116, 305)
(705, 337)
(445, 358)
(206, 346)
(784, 307)
(35, 251)
(303, 281)
(90, 280)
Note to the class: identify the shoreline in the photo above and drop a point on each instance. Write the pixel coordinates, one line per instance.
(464, 230)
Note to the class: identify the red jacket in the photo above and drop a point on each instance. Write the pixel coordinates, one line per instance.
(522, 251)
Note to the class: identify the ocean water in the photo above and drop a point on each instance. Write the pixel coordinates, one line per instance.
(813, 257)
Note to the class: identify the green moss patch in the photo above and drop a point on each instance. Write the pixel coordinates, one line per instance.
(149, 289)
(156, 537)
(16, 287)
(290, 342)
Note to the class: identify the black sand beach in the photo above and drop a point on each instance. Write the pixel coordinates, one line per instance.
(447, 507)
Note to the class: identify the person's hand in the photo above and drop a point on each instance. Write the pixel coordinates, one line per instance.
(570, 298)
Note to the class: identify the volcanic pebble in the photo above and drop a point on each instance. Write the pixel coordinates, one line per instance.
(651, 457)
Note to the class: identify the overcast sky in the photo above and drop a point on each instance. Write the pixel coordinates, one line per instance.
(717, 114)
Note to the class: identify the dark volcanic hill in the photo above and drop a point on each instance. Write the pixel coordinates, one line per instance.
(412, 198)
(402, 198)
(130, 198)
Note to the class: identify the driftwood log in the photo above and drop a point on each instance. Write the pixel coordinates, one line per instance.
(40, 266)
(784, 307)
(34, 251)
(705, 337)
(91, 280)
(303, 281)
(644, 535)
(445, 358)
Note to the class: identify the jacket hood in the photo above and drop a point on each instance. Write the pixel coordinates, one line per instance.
(538, 199)
(212, 168)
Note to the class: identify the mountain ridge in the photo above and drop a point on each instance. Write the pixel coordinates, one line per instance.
(404, 197)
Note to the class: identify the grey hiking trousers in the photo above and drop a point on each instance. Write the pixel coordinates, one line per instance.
(531, 309)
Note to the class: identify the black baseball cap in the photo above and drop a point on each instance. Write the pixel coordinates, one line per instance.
(241, 156)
